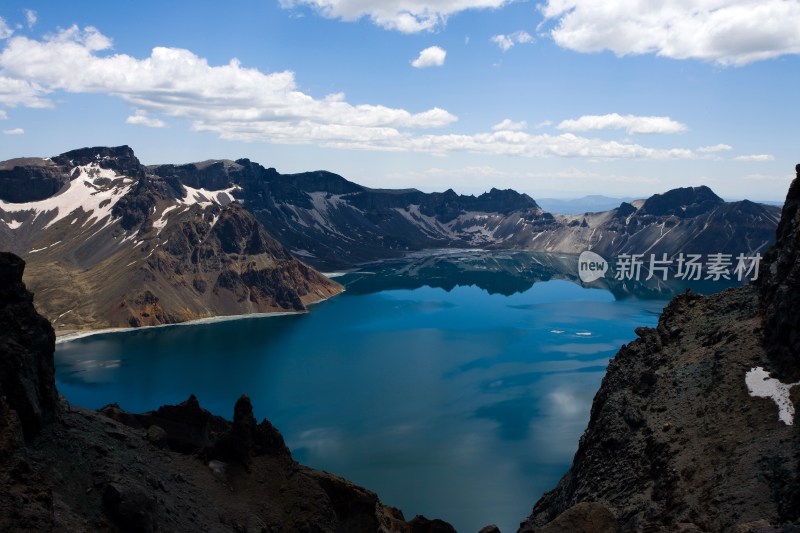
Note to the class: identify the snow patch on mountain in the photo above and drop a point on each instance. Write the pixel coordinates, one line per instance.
(94, 190)
(205, 198)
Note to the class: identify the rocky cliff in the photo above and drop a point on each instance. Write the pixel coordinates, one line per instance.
(333, 223)
(110, 244)
(179, 468)
(693, 426)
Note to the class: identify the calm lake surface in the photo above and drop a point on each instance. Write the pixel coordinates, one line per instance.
(454, 386)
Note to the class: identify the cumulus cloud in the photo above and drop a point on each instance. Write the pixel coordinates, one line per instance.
(3, 115)
(755, 157)
(715, 148)
(510, 125)
(15, 131)
(15, 92)
(141, 118)
(31, 17)
(234, 101)
(433, 56)
(630, 123)
(406, 16)
(506, 42)
(5, 31)
(522, 144)
(245, 104)
(728, 32)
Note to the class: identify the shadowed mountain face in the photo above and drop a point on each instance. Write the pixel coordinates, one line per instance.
(333, 223)
(116, 245)
(694, 426)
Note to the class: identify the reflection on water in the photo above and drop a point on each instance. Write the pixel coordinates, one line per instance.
(454, 387)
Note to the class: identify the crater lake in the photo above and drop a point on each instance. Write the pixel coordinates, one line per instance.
(455, 385)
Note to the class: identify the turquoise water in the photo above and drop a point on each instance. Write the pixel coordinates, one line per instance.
(447, 399)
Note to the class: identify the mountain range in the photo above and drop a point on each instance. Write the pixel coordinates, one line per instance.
(332, 223)
(110, 242)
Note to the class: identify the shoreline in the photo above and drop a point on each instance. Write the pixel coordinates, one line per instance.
(72, 334)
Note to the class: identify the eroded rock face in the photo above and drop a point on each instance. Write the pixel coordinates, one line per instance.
(780, 290)
(25, 180)
(675, 441)
(27, 372)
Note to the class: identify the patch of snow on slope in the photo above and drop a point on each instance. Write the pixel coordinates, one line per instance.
(760, 385)
(161, 222)
(13, 224)
(204, 198)
(81, 193)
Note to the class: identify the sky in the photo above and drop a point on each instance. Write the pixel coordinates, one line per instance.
(554, 98)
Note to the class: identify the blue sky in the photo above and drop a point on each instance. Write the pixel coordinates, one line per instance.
(553, 98)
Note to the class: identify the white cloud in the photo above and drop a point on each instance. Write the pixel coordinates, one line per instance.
(30, 17)
(543, 124)
(3, 115)
(234, 101)
(630, 123)
(715, 148)
(15, 92)
(728, 32)
(5, 31)
(510, 125)
(15, 131)
(244, 104)
(506, 42)
(503, 41)
(521, 144)
(433, 56)
(142, 119)
(406, 16)
(755, 157)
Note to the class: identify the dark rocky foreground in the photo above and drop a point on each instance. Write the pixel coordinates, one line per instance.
(64, 468)
(675, 441)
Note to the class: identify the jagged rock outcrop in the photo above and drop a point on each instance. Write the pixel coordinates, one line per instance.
(179, 468)
(30, 179)
(675, 441)
(780, 290)
(27, 371)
